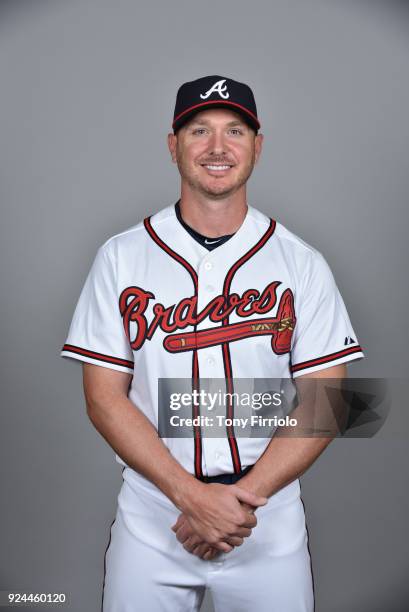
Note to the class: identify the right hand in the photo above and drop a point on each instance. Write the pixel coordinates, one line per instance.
(216, 514)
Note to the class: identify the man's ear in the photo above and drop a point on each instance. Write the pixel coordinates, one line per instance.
(258, 145)
(172, 140)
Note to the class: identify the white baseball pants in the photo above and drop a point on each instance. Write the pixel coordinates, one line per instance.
(148, 570)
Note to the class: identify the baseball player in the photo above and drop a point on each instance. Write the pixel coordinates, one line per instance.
(207, 288)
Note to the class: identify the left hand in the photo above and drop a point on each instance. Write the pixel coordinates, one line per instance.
(194, 544)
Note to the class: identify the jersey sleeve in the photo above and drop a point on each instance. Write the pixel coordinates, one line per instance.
(96, 333)
(323, 335)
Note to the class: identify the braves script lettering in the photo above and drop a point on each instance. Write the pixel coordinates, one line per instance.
(134, 301)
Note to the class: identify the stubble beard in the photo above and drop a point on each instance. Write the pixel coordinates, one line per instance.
(214, 191)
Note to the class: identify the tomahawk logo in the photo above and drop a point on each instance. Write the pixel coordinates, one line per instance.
(218, 87)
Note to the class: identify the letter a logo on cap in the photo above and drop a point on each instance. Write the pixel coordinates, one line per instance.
(218, 86)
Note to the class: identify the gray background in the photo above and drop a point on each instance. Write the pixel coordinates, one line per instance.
(87, 95)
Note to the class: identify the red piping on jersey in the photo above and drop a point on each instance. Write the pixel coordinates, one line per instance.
(195, 361)
(99, 356)
(331, 357)
(217, 102)
(234, 450)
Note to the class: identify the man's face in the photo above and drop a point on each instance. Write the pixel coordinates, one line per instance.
(215, 152)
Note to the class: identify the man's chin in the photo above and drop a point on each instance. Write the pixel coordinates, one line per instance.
(218, 194)
(218, 191)
(219, 188)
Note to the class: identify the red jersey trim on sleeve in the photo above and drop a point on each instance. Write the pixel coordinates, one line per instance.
(99, 356)
(327, 358)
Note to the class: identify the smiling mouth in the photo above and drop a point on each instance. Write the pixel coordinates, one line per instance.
(216, 167)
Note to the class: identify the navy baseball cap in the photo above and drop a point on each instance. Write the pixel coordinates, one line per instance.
(214, 92)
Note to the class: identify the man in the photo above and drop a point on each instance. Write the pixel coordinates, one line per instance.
(209, 288)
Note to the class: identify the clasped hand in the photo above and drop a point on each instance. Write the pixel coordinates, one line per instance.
(217, 519)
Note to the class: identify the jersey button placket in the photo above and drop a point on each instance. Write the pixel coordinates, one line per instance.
(209, 358)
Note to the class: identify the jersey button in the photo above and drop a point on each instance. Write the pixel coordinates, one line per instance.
(217, 456)
(210, 361)
(208, 265)
(210, 289)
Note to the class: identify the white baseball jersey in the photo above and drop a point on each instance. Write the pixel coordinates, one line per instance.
(157, 304)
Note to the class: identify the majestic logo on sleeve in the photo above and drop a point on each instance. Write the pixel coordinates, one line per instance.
(218, 87)
(134, 302)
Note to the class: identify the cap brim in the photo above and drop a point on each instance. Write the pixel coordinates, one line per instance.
(188, 113)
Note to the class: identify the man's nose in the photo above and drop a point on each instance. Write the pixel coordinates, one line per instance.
(217, 143)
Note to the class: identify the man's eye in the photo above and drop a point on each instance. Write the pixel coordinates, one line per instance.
(198, 130)
(236, 130)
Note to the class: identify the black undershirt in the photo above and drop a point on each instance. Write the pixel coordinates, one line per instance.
(205, 241)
